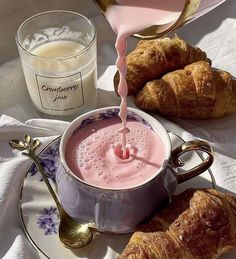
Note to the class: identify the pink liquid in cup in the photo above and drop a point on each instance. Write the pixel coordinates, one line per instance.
(94, 154)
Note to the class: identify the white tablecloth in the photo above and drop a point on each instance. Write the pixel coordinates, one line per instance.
(215, 33)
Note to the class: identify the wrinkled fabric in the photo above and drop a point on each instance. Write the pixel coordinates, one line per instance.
(215, 33)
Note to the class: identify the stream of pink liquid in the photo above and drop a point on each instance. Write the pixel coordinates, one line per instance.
(127, 18)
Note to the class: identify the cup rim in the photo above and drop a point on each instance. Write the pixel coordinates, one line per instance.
(72, 125)
(79, 53)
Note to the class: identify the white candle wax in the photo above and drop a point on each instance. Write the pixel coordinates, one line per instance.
(59, 79)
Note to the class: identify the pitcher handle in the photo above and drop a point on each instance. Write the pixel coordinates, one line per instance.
(195, 145)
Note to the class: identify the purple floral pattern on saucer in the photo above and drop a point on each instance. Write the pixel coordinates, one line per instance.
(48, 220)
(49, 161)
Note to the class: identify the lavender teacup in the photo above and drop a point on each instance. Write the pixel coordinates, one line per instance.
(120, 208)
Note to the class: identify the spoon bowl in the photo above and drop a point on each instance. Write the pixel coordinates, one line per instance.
(72, 234)
(79, 234)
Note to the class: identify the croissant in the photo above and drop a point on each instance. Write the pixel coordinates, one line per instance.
(195, 92)
(153, 58)
(199, 223)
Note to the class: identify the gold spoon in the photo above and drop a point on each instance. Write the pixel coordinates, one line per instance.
(72, 234)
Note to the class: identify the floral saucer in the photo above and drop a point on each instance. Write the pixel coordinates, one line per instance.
(39, 214)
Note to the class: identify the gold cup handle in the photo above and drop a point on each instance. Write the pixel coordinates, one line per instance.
(196, 145)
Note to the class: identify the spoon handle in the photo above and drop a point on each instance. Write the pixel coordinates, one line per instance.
(41, 170)
(30, 146)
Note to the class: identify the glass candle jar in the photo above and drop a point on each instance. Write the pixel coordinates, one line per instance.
(59, 60)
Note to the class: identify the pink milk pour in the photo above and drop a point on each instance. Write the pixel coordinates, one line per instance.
(127, 18)
(94, 154)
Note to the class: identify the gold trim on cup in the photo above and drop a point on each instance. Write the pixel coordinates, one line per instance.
(160, 171)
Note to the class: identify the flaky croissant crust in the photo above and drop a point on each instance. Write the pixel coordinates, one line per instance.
(153, 58)
(200, 223)
(196, 92)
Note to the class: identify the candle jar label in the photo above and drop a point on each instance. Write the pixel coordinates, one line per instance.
(60, 93)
